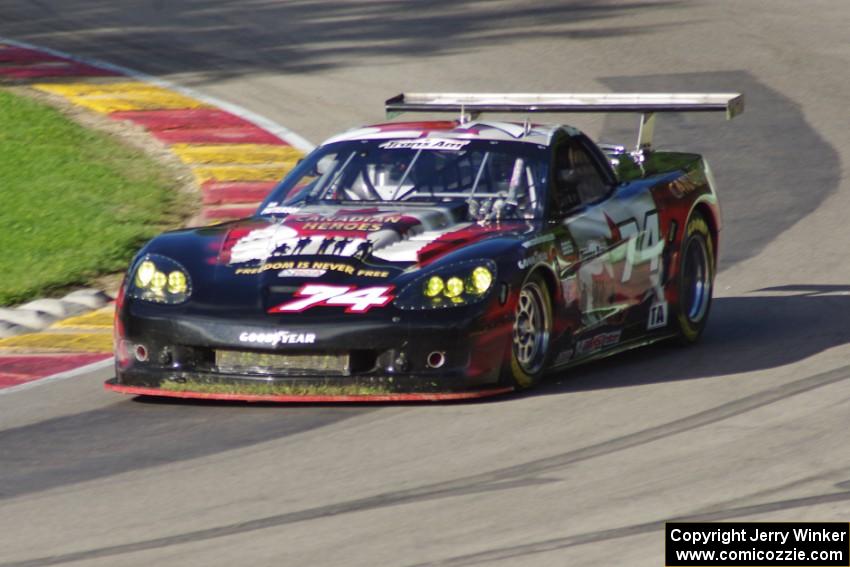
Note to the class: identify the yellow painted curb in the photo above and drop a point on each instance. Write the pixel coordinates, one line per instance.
(90, 332)
(61, 342)
(100, 319)
(120, 96)
(235, 153)
(137, 101)
(269, 172)
(96, 89)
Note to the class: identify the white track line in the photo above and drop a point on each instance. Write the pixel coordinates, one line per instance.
(281, 132)
(99, 365)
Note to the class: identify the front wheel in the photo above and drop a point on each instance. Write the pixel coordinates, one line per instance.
(695, 281)
(531, 335)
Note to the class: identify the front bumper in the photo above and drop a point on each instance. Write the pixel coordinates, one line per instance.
(388, 360)
(237, 396)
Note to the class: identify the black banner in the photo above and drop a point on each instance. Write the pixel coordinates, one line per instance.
(757, 544)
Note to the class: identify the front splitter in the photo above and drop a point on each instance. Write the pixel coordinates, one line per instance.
(274, 398)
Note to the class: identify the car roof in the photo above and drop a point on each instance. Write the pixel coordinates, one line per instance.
(540, 134)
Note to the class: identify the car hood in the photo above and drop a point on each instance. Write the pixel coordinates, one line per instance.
(395, 236)
(255, 264)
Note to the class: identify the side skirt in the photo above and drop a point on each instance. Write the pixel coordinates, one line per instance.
(622, 347)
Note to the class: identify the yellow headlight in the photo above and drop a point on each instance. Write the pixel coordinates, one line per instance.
(454, 287)
(482, 278)
(158, 281)
(145, 273)
(177, 282)
(434, 286)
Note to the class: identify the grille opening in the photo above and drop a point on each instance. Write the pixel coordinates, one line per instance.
(302, 363)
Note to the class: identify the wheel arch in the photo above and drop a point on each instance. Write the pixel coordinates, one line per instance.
(550, 279)
(710, 215)
(513, 372)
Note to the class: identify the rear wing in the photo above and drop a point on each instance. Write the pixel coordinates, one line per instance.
(646, 104)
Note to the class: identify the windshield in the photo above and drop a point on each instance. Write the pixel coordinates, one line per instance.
(497, 180)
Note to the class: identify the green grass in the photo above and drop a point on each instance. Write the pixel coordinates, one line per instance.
(74, 203)
(262, 389)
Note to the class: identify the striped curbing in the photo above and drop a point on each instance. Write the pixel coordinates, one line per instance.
(117, 97)
(69, 343)
(90, 332)
(235, 153)
(208, 156)
(236, 158)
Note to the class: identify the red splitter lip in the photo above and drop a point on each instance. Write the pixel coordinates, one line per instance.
(400, 397)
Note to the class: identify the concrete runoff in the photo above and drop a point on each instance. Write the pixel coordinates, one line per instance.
(91, 298)
(40, 314)
(54, 307)
(8, 329)
(27, 317)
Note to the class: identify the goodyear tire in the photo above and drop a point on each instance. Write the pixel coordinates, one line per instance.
(695, 280)
(531, 335)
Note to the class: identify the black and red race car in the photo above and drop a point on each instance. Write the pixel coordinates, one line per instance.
(433, 260)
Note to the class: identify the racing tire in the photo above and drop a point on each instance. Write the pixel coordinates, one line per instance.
(531, 335)
(695, 281)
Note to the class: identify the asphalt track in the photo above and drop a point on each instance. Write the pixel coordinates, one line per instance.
(752, 424)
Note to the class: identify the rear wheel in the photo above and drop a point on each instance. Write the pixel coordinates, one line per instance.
(531, 335)
(695, 281)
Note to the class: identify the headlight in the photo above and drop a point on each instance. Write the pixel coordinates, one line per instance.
(161, 280)
(454, 285)
(482, 279)
(434, 286)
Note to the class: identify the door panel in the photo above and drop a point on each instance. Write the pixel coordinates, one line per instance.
(619, 256)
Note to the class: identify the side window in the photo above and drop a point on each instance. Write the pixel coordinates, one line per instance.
(590, 185)
(577, 177)
(566, 194)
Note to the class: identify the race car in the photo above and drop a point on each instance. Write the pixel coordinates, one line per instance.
(432, 260)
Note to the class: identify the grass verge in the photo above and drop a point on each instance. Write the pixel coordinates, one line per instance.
(74, 203)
